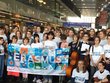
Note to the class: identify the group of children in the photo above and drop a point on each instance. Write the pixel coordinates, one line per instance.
(93, 48)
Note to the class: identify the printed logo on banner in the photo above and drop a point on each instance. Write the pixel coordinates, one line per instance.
(37, 57)
(44, 58)
(62, 56)
(24, 57)
(13, 56)
(39, 60)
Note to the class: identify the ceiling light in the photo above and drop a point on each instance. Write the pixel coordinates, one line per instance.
(82, 0)
(41, 1)
(102, 4)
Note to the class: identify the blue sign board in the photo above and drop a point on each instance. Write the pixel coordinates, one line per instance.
(73, 24)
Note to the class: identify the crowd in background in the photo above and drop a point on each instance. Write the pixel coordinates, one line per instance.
(92, 46)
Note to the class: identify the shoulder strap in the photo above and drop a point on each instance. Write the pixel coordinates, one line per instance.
(92, 48)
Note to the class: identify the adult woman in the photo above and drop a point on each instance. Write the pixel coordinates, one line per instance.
(102, 75)
(80, 74)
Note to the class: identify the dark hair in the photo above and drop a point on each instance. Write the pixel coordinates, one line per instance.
(98, 38)
(26, 39)
(2, 27)
(20, 34)
(1, 38)
(85, 33)
(84, 68)
(45, 34)
(30, 32)
(14, 36)
(76, 36)
(63, 37)
(103, 63)
(50, 33)
(36, 35)
(103, 31)
(108, 35)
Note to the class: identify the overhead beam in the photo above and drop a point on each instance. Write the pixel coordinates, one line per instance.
(71, 6)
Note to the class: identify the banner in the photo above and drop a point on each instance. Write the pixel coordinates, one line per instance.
(41, 61)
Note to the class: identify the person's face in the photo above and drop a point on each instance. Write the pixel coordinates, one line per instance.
(100, 67)
(57, 33)
(75, 38)
(81, 33)
(38, 29)
(96, 41)
(80, 64)
(1, 31)
(50, 37)
(29, 35)
(45, 37)
(18, 34)
(1, 41)
(36, 39)
(101, 35)
(14, 40)
(34, 29)
(108, 31)
(85, 37)
(46, 30)
(70, 33)
(25, 41)
(92, 32)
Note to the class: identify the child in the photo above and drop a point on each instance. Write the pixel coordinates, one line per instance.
(51, 45)
(101, 75)
(1, 57)
(80, 73)
(24, 46)
(37, 44)
(14, 75)
(96, 52)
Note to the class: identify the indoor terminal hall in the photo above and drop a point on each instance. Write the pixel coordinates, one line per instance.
(54, 41)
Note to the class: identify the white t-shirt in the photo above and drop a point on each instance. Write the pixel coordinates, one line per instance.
(11, 35)
(37, 45)
(20, 41)
(41, 36)
(16, 55)
(69, 39)
(4, 37)
(80, 77)
(57, 40)
(25, 46)
(101, 76)
(49, 43)
(1, 50)
(103, 42)
(95, 52)
(107, 50)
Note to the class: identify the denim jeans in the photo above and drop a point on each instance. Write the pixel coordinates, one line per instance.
(1, 65)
